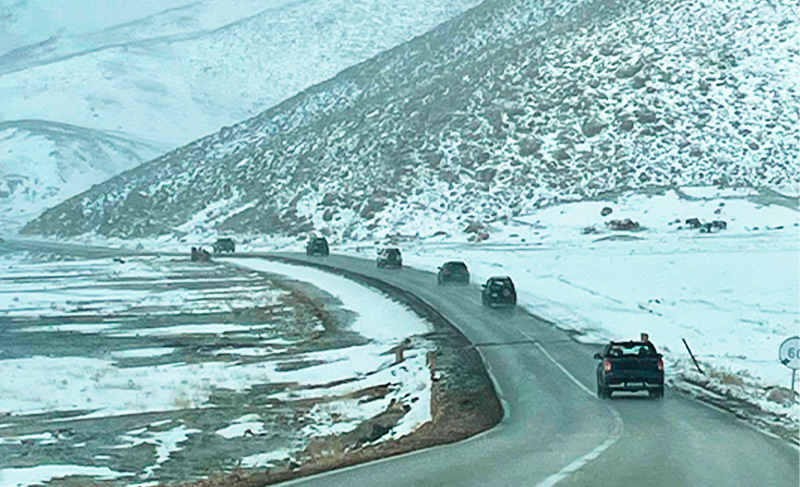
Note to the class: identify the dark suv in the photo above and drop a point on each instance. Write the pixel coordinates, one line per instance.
(453, 271)
(389, 258)
(499, 291)
(630, 366)
(224, 245)
(317, 246)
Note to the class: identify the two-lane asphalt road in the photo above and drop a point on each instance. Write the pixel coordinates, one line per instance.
(555, 429)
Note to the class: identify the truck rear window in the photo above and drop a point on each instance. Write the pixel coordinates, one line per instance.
(636, 350)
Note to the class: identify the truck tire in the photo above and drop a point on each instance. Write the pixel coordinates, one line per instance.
(657, 393)
(602, 392)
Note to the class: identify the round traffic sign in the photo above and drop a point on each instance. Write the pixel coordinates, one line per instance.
(789, 353)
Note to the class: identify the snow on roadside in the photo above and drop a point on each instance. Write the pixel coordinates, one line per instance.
(378, 318)
(263, 460)
(247, 424)
(127, 381)
(386, 323)
(29, 476)
(165, 442)
(732, 294)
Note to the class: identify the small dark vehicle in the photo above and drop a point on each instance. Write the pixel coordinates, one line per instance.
(317, 246)
(453, 271)
(224, 245)
(630, 366)
(389, 258)
(499, 291)
(199, 254)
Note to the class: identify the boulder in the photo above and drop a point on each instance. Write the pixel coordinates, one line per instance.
(624, 224)
(645, 116)
(330, 199)
(528, 146)
(475, 227)
(781, 395)
(693, 222)
(486, 175)
(592, 127)
(631, 69)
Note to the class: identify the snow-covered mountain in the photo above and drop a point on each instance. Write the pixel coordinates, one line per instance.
(514, 105)
(164, 73)
(43, 163)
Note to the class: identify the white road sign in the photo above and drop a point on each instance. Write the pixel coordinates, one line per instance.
(789, 353)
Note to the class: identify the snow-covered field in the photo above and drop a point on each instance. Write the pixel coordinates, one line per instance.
(211, 361)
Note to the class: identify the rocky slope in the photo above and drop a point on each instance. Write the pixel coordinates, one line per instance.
(514, 105)
(168, 73)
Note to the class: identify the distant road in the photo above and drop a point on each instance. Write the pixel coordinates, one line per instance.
(555, 430)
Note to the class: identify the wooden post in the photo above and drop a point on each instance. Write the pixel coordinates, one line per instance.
(692, 355)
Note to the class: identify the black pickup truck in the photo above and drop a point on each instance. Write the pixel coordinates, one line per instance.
(630, 366)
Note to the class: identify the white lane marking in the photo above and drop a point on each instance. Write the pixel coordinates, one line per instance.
(563, 369)
(578, 463)
(582, 461)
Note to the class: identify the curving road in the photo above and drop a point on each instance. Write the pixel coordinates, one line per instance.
(555, 431)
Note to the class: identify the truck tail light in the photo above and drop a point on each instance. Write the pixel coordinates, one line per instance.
(661, 365)
(607, 366)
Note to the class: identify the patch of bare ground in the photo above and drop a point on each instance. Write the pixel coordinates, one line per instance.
(463, 404)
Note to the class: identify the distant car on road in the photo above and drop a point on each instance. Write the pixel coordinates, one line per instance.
(499, 291)
(389, 257)
(453, 271)
(630, 366)
(317, 246)
(224, 245)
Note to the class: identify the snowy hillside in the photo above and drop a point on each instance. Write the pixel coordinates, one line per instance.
(42, 163)
(167, 73)
(513, 106)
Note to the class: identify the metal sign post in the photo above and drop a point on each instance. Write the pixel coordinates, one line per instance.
(789, 355)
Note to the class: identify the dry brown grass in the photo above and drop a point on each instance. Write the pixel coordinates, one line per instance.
(730, 379)
(456, 416)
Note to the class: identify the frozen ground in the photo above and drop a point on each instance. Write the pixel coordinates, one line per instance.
(111, 368)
